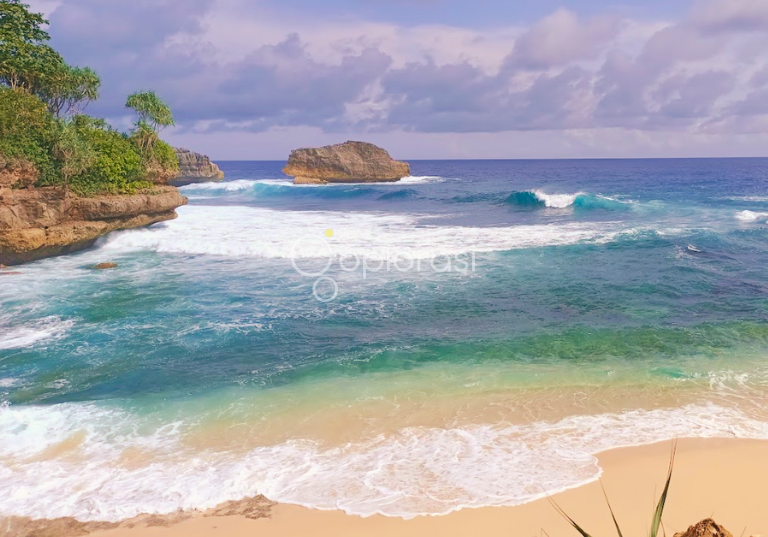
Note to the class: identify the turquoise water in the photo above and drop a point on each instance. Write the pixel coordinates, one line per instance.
(587, 305)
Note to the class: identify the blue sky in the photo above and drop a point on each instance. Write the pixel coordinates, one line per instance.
(252, 79)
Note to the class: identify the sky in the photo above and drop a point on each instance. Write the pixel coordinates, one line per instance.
(434, 79)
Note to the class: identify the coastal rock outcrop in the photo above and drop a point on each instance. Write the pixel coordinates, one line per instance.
(44, 222)
(17, 173)
(350, 162)
(195, 168)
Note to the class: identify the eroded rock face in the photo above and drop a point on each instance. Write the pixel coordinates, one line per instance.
(195, 168)
(44, 222)
(350, 162)
(17, 173)
(705, 528)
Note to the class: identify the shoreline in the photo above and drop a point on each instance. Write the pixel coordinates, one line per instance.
(721, 478)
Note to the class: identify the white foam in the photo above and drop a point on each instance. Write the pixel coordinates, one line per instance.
(227, 186)
(414, 471)
(749, 216)
(8, 382)
(16, 337)
(415, 180)
(255, 232)
(239, 185)
(557, 201)
(748, 198)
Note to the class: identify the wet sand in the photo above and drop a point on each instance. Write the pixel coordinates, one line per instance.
(722, 478)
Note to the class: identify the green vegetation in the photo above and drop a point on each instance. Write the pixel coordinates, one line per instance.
(657, 514)
(41, 121)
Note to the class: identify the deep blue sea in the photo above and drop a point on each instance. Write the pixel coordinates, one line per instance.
(469, 336)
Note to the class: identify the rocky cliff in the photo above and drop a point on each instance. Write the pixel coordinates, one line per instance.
(44, 222)
(195, 168)
(17, 173)
(350, 162)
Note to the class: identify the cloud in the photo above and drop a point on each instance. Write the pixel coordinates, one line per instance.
(227, 69)
(731, 15)
(561, 38)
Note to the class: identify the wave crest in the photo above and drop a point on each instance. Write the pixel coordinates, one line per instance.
(278, 187)
(533, 199)
(237, 231)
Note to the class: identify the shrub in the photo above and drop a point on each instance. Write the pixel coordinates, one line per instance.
(657, 513)
(117, 167)
(26, 132)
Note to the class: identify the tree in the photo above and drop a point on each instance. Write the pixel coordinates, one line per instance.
(151, 109)
(68, 90)
(25, 58)
(153, 114)
(74, 153)
(28, 63)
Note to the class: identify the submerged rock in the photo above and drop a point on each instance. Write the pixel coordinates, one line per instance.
(195, 168)
(350, 162)
(105, 266)
(44, 222)
(705, 528)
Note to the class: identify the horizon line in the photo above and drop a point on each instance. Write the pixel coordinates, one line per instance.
(520, 159)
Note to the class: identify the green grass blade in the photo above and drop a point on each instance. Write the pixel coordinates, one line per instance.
(613, 516)
(663, 499)
(566, 517)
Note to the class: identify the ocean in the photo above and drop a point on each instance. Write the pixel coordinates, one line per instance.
(470, 336)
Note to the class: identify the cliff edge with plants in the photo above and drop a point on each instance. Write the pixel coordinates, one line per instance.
(67, 178)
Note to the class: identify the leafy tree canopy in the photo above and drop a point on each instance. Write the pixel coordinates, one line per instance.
(151, 109)
(41, 120)
(27, 62)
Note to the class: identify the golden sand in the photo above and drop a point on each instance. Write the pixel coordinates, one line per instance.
(724, 479)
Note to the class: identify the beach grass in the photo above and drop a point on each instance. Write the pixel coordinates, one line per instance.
(657, 514)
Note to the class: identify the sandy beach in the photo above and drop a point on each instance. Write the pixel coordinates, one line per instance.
(720, 478)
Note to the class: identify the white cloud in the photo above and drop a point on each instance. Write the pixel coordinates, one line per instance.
(228, 67)
(562, 38)
(731, 15)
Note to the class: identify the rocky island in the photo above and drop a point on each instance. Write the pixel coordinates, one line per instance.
(195, 168)
(350, 162)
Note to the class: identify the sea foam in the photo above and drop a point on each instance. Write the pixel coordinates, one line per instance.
(750, 216)
(255, 232)
(46, 329)
(240, 185)
(414, 471)
(558, 201)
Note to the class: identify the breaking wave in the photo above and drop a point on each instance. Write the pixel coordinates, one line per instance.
(533, 199)
(254, 232)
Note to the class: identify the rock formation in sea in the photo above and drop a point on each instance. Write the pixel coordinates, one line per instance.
(43, 222)
(195, 168)
(350, 162)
